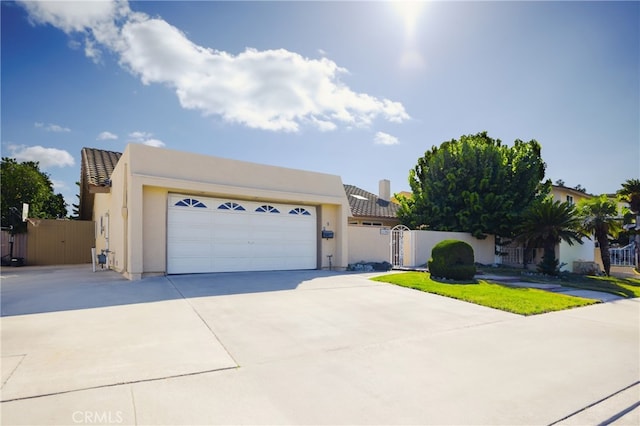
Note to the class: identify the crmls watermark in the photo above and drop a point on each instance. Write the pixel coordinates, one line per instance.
(97, 417)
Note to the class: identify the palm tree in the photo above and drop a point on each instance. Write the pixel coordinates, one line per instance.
(544, 225)
(630, 193)
(599, 216)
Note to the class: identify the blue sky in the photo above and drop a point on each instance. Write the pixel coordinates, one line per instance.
(357, 89)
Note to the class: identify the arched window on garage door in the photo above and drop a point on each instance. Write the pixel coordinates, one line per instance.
(190, 202)
(267, 209)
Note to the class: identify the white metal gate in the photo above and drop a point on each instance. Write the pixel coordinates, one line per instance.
(397, 245)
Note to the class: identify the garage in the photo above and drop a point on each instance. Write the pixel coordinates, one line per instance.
(226, 235)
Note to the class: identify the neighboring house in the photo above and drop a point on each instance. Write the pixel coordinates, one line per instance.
(566, 254)
(159, 211)
(368, 209)
(571, 195)
(620, 256)
(573, 258)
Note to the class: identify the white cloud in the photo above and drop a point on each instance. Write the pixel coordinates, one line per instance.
(382, 138)
(154, 142)
(58, 185)
(51, 127)
(138, 136)
(74, 16)
(47, 157)
(274, 90)
(57, 128)
(145, 138)
(105, 136)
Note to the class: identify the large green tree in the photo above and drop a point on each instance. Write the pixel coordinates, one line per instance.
(474, 184)
(600, 217)
(26, 183)
(544, 225)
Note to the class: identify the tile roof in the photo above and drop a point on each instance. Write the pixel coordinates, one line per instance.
(366, 204)
(97, 165)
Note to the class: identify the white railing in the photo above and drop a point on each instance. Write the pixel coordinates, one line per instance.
(624, 256)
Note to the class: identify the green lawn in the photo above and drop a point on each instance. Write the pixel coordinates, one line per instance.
(625, 287)
(524, 301)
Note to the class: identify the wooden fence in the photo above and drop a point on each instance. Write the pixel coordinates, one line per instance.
(58, 242)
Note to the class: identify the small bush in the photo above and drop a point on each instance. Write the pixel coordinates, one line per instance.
(452, 259)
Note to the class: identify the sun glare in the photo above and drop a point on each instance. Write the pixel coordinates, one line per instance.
(409, 11)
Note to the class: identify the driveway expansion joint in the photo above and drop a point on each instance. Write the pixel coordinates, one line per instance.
(600, 401)
(235, 361)
(111, 385)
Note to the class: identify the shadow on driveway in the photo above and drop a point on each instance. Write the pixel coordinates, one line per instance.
(39, 289)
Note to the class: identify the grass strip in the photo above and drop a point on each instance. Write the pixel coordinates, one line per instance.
(523, 301)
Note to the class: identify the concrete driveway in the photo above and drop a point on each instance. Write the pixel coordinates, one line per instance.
(307, 347)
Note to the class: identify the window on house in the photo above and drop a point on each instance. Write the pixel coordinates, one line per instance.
(267, 209)
(231, 206)
(190, 202)
(570, 199)
(371, 223)
(300, 211)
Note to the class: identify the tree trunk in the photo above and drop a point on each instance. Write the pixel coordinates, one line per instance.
(603, 241)
(549, 264)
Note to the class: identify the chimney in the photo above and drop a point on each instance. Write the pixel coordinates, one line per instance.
(384, 192)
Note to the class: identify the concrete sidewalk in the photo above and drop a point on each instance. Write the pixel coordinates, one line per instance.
(307, 347)
(556, 288)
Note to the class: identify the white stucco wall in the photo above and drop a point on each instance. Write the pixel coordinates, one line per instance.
(578, 252)
(424, 241)
(369, 244)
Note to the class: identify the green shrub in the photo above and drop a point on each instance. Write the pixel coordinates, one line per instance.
(452, 259)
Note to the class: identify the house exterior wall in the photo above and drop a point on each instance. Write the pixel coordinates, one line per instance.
(117, 223)
(101, 205)
(578, 252)
(145, 176)
(369, 244)
(373, 222)
(154, 229)
(333, 218)
(562, 194)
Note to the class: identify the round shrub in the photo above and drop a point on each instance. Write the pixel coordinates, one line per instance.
(452, 259)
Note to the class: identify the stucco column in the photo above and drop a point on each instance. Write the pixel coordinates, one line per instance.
(133, 211)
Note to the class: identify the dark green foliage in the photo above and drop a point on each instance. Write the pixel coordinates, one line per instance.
(452, 259)
(549, 265)
(599, 217)
(474, 185)
(544, 224)
(25, 183)
(630, 193)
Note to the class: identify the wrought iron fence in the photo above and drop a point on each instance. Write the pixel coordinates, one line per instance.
(511, 255)
(624, 256)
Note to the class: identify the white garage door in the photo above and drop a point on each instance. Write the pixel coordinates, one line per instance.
(224, 235)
